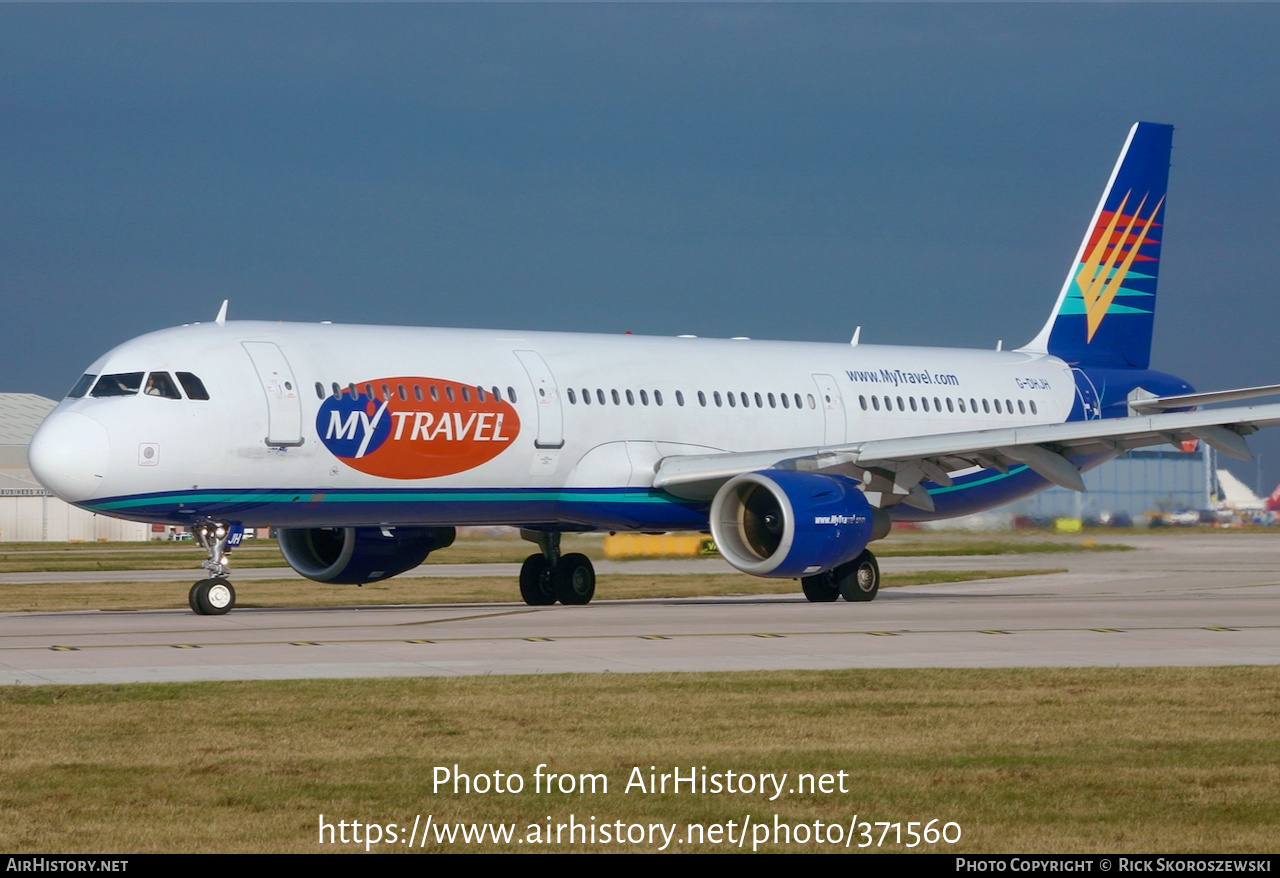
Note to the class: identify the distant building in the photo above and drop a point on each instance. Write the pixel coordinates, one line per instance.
(1137, 484)
(28, 512)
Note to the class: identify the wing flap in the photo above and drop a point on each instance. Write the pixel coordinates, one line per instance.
(1044, 447)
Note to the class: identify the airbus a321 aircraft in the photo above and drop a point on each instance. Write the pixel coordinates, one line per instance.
(367, 445)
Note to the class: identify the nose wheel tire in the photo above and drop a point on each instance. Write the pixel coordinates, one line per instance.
(212, 597)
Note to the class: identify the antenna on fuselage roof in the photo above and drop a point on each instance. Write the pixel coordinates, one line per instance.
(856, 333)
(221, 319)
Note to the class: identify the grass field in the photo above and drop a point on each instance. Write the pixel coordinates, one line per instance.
(1092, 760)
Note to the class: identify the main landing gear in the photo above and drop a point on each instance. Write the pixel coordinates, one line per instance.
(858, 580)
(548, 577)
(213, 596)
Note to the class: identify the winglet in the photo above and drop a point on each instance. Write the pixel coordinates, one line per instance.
(221, 319)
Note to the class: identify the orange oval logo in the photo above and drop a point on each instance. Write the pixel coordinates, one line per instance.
(416, 428)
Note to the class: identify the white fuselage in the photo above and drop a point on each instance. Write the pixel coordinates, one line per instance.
(571, 411)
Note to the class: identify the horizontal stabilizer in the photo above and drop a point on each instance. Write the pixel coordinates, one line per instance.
(1156, 404)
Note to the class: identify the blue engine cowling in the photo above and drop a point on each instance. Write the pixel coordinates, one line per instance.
(786, 523)
(356, 555)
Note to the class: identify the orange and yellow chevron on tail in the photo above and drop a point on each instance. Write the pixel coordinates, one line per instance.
(1106, 310)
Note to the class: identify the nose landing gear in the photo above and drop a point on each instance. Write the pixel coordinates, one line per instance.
(215, 596)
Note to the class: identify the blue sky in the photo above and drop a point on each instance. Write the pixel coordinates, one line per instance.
(785, 171)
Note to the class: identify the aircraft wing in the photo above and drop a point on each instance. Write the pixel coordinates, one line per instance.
(892, 470)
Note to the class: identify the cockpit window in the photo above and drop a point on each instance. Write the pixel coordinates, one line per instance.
(82, 386)
(119, 384)
(160, 384)
(192, 385)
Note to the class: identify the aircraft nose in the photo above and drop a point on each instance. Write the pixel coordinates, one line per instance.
(69, 455)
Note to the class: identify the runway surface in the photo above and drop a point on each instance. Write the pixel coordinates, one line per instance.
(1175, 600)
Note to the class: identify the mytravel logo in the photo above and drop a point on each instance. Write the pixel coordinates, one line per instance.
(416, 428)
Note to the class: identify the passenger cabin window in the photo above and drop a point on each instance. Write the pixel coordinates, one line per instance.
(82, 386)
(160, 384)
(192, 385)
(119, 384)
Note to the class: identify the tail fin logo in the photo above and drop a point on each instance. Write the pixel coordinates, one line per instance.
(1110, 255)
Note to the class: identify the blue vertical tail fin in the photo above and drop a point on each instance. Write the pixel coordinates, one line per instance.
(1106, 309)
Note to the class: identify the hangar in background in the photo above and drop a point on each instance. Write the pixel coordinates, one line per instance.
(28, 512)
(1139, 485)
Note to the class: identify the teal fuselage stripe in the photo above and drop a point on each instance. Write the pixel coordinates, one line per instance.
(995, 477)
(391, 497)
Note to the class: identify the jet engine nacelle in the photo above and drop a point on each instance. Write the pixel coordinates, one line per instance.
(356, 555)
(786, 523)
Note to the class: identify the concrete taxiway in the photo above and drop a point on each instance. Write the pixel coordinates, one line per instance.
(1173, 600)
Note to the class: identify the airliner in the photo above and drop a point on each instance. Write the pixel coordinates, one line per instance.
(366, 446)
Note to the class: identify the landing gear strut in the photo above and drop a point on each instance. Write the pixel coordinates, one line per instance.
(858, 580)
(214, 596)
(549, 576)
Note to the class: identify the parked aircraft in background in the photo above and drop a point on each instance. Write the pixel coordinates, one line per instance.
(1273, 500)
(367, 445)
